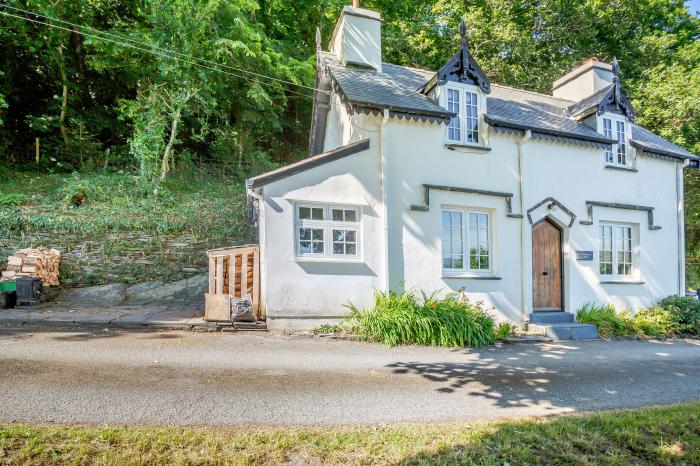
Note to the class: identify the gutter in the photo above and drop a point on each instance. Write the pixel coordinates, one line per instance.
(504, 124)
(521, 142)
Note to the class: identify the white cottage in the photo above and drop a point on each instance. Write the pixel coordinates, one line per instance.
(445, 181)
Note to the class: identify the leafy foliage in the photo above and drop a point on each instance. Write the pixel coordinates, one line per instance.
(404, 319)
(504, 330)
(674, 315)
(654, 322)
(685, 313)
(95, 103)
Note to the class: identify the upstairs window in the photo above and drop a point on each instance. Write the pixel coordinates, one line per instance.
(464, 126)
(617, 131)
(454, 129)
(327, 231)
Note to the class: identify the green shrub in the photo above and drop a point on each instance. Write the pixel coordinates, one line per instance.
(685, 313)
(505, 330)
(654, 322)
(12, 199)
(608, 321)
(403, 319)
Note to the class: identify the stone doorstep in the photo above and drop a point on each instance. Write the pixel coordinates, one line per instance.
(565, 331)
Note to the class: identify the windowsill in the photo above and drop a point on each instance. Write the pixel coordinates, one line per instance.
(621, 282)
(333, 260)
(467, 147)
(468, 275)
(620, 168)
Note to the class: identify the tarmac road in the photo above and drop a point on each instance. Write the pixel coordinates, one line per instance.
(95, 376)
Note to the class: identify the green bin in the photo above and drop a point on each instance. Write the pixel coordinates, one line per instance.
(8, 287)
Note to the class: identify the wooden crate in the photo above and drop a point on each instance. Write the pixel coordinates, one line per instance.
(233, 272)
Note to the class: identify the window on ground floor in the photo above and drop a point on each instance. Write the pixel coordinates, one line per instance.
(616, 256)
(327, 231)
(466, 240)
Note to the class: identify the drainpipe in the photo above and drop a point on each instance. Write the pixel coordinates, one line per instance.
(681, 226)
(382, 157)
(259, 208)
(521, 142)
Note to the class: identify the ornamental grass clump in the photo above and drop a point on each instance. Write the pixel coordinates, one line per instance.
(609, 322)
(404, 319)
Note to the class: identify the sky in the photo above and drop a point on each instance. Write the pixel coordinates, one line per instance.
(693, 5)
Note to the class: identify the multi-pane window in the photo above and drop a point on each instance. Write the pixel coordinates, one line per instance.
(617, 131)
(478, 241)
(472, 117)
(464, 126)
(454, 128)
(452, 240)
(615, 254)
(327, 231)
(621, 144)
(607, 132)
(466, 234)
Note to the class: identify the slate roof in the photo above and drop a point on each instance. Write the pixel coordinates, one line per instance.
(540, 113)
(590, 101)
(397, 89)
(648, 141)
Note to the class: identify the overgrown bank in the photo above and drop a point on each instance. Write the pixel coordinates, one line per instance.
(668, 435)
(109, 230)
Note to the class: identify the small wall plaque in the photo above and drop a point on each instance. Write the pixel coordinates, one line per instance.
(584, 255)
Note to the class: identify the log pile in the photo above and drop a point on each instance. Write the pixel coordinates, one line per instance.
(40, 262)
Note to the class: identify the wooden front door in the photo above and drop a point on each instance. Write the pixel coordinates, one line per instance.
(546, 267)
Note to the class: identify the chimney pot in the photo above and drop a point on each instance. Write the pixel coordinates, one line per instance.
(356, 3)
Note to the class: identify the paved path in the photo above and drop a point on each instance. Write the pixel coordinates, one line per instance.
(119, 376)
(171, 316)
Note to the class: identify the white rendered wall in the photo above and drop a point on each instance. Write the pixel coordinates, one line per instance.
(302, 293)
(415, 155)
(584, 85)
(358, 38)
(579, 176)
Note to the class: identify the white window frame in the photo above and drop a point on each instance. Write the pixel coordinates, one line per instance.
(328, 225)
(615, 262)
(463, 90)
(615, 120)
(465, 238)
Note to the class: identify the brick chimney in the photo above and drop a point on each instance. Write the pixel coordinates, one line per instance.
(357, 38)
(584, 80)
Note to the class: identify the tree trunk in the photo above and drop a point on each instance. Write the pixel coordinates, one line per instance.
(165, 165)
(64, 103)
(240, 151)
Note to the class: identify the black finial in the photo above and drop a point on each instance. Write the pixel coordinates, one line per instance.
(463, 32)
(615, 68)
(318, 37)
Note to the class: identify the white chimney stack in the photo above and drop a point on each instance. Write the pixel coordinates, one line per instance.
(584, 80)
(357, 38)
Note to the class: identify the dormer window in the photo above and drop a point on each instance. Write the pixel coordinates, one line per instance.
(617, 130)
(464, 102)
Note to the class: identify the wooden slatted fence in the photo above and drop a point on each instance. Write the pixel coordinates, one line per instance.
(233, 272)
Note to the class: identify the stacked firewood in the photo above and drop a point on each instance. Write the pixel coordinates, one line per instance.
(41, 262)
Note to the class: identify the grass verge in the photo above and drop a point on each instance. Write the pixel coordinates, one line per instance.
(661, 435)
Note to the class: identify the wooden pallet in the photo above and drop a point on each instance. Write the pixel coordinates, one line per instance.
(232, 272)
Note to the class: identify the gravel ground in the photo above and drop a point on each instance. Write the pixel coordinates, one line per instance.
(95, 376)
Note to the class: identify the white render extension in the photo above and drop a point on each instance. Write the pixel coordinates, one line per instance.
(445, 181)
